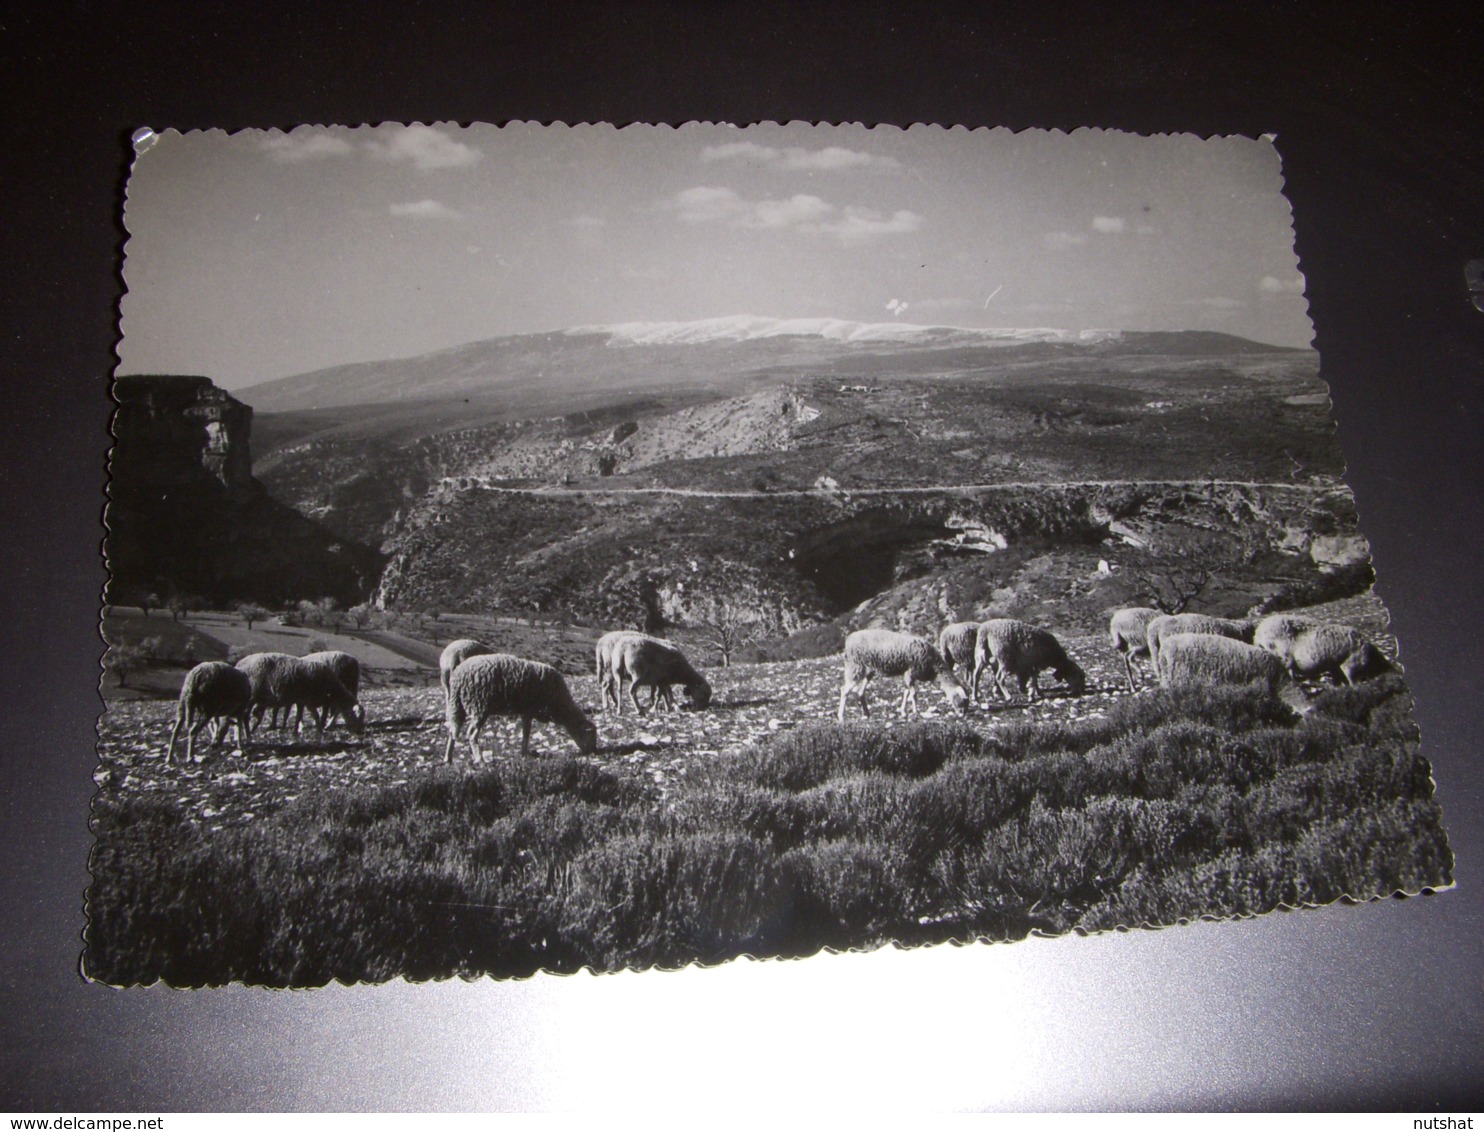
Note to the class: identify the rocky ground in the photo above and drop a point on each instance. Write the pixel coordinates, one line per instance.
(405, 734)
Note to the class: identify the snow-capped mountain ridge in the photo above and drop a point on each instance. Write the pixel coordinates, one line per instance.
(746, 327)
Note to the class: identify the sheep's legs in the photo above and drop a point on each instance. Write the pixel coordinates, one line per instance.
(1128, 670)
(909, 696)
(860, 690)
(525, 735)
(174, 731)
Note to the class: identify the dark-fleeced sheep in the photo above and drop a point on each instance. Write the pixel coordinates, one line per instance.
(1128, 632)
(884, 652)
(347, 669)
(1201, 623)
(454, 655)
(500, 684)
(283, 681)
(1337, 651)
(658, 664)
(1007, 647)
(956, 644)
(213, 690)
(1205, 658)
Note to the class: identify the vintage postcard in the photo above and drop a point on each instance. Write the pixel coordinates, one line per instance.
(544, 548)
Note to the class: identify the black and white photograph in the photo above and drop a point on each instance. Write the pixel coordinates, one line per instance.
(539, 548)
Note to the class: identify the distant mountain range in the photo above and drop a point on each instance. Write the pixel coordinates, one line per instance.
(590, 366)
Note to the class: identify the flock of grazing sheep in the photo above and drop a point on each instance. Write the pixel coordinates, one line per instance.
(479, 684)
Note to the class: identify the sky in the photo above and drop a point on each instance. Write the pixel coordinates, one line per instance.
(263, 254)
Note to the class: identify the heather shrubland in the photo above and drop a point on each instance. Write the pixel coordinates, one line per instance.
(1172, 805)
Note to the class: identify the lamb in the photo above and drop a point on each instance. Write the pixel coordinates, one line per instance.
(882, 652)
(1128, 630)
(956, 644)
(1160, 627)
(282, 681)
(1312, 649)
(1205, 658)
(1017, 648)
(454, 655)
(605, 659)
(213, 690)
(501, 684)
(658, 664)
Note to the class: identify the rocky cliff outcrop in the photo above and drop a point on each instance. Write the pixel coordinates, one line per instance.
(186, 516)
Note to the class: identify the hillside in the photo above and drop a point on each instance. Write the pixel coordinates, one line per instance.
(537, 374)
(812, 471)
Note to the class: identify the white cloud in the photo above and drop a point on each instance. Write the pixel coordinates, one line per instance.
(1271, 285)
(801, 212)
(831, 159)
(861, 224)
(704, 203)
(424, 148)
(1108, 225)
(897, 307)
(426, 210)
(290, 149)
(1061, 241)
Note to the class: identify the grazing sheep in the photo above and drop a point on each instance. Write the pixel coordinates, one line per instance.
(882, 652)
(1161, 627)
(283, 681)
(605, 660)
(501, 684)
(658, 664)
(454, 655)
(1205, 658)
(1017, 648)
(347, 669)
(1278, 632)
(1339, 652)
(213, 690)
(956, 644)
(1128, 630)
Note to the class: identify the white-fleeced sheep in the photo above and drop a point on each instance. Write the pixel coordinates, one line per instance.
(1006, 647)
(1201, 623)
(884, 652)
(213, 690)
(1278, 632)
(605, 664)
(282, 681)
(658, 664)
(501, 684)
(956, 645)
(1336, 651)
(1205, 658)
(454, 655)
(1128, 632)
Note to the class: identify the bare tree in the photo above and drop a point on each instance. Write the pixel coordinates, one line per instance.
(730, 624)
(1184, 566)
